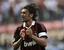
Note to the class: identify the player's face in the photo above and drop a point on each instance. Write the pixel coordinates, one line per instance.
(25, 15)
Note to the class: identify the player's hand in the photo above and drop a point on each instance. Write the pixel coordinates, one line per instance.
(22, 34)
(29, 32)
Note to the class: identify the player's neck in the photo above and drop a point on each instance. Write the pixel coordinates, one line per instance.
(29, 23)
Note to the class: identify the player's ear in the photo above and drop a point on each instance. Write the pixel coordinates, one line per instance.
(31, 15)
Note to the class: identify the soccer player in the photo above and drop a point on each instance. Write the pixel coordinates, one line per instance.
(30, 35)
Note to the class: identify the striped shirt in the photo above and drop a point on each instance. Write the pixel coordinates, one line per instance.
(29, 44)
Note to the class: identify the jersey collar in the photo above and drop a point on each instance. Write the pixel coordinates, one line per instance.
(33, 23)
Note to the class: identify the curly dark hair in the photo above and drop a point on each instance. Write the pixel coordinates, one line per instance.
(33, 9)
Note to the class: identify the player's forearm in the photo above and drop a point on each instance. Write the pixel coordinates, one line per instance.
(41, 41)
(17, 44)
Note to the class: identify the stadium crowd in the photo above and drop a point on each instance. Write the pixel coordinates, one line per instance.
(48, 10)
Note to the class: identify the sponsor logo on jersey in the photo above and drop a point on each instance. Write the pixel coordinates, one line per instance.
(32, 43)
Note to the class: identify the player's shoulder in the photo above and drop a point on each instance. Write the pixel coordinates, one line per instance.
(40, 24)
(19, 27)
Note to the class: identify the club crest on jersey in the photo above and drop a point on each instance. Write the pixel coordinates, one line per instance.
(32, 43)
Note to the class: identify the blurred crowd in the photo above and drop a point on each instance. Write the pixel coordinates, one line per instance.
(48, 10)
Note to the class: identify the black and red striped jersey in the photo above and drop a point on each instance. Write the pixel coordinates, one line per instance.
(29, 44)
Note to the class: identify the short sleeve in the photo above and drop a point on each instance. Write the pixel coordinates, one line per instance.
(16, 35)
(42, 32)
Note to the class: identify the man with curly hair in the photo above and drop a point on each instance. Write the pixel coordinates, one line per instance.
(31, 35)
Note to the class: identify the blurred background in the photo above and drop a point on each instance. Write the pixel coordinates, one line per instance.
(51, 14)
